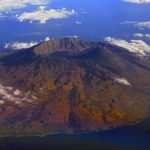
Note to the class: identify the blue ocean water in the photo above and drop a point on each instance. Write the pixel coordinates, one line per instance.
(99, 18)
(135, 137)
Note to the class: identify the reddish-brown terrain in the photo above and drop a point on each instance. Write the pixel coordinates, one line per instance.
(71, 85)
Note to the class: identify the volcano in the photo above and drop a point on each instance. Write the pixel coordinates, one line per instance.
(71, 85)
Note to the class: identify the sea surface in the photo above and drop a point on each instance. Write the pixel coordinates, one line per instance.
(136, 137)
(96, 19)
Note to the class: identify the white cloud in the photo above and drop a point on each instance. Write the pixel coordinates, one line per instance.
(78, 22)
(137, 1)
(43, 15)
(73, 36)
(147, 35)
(47, 39)
(20, 45)
(8, 5)
(2, 16)
(138, 47)
(17, 92)
(141, 25)
(2, 102)
(141, 35)
(123, 81)
(4, 92)
(15, 95)
(23, 45)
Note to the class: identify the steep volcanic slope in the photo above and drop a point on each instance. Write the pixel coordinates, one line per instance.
(80, 86)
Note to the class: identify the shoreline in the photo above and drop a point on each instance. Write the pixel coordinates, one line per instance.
(70, 134)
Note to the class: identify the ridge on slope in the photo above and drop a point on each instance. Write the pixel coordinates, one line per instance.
(65, 44)
(79, 88)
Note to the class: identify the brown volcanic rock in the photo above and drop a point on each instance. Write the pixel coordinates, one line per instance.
(66, 44)
(72, 92)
